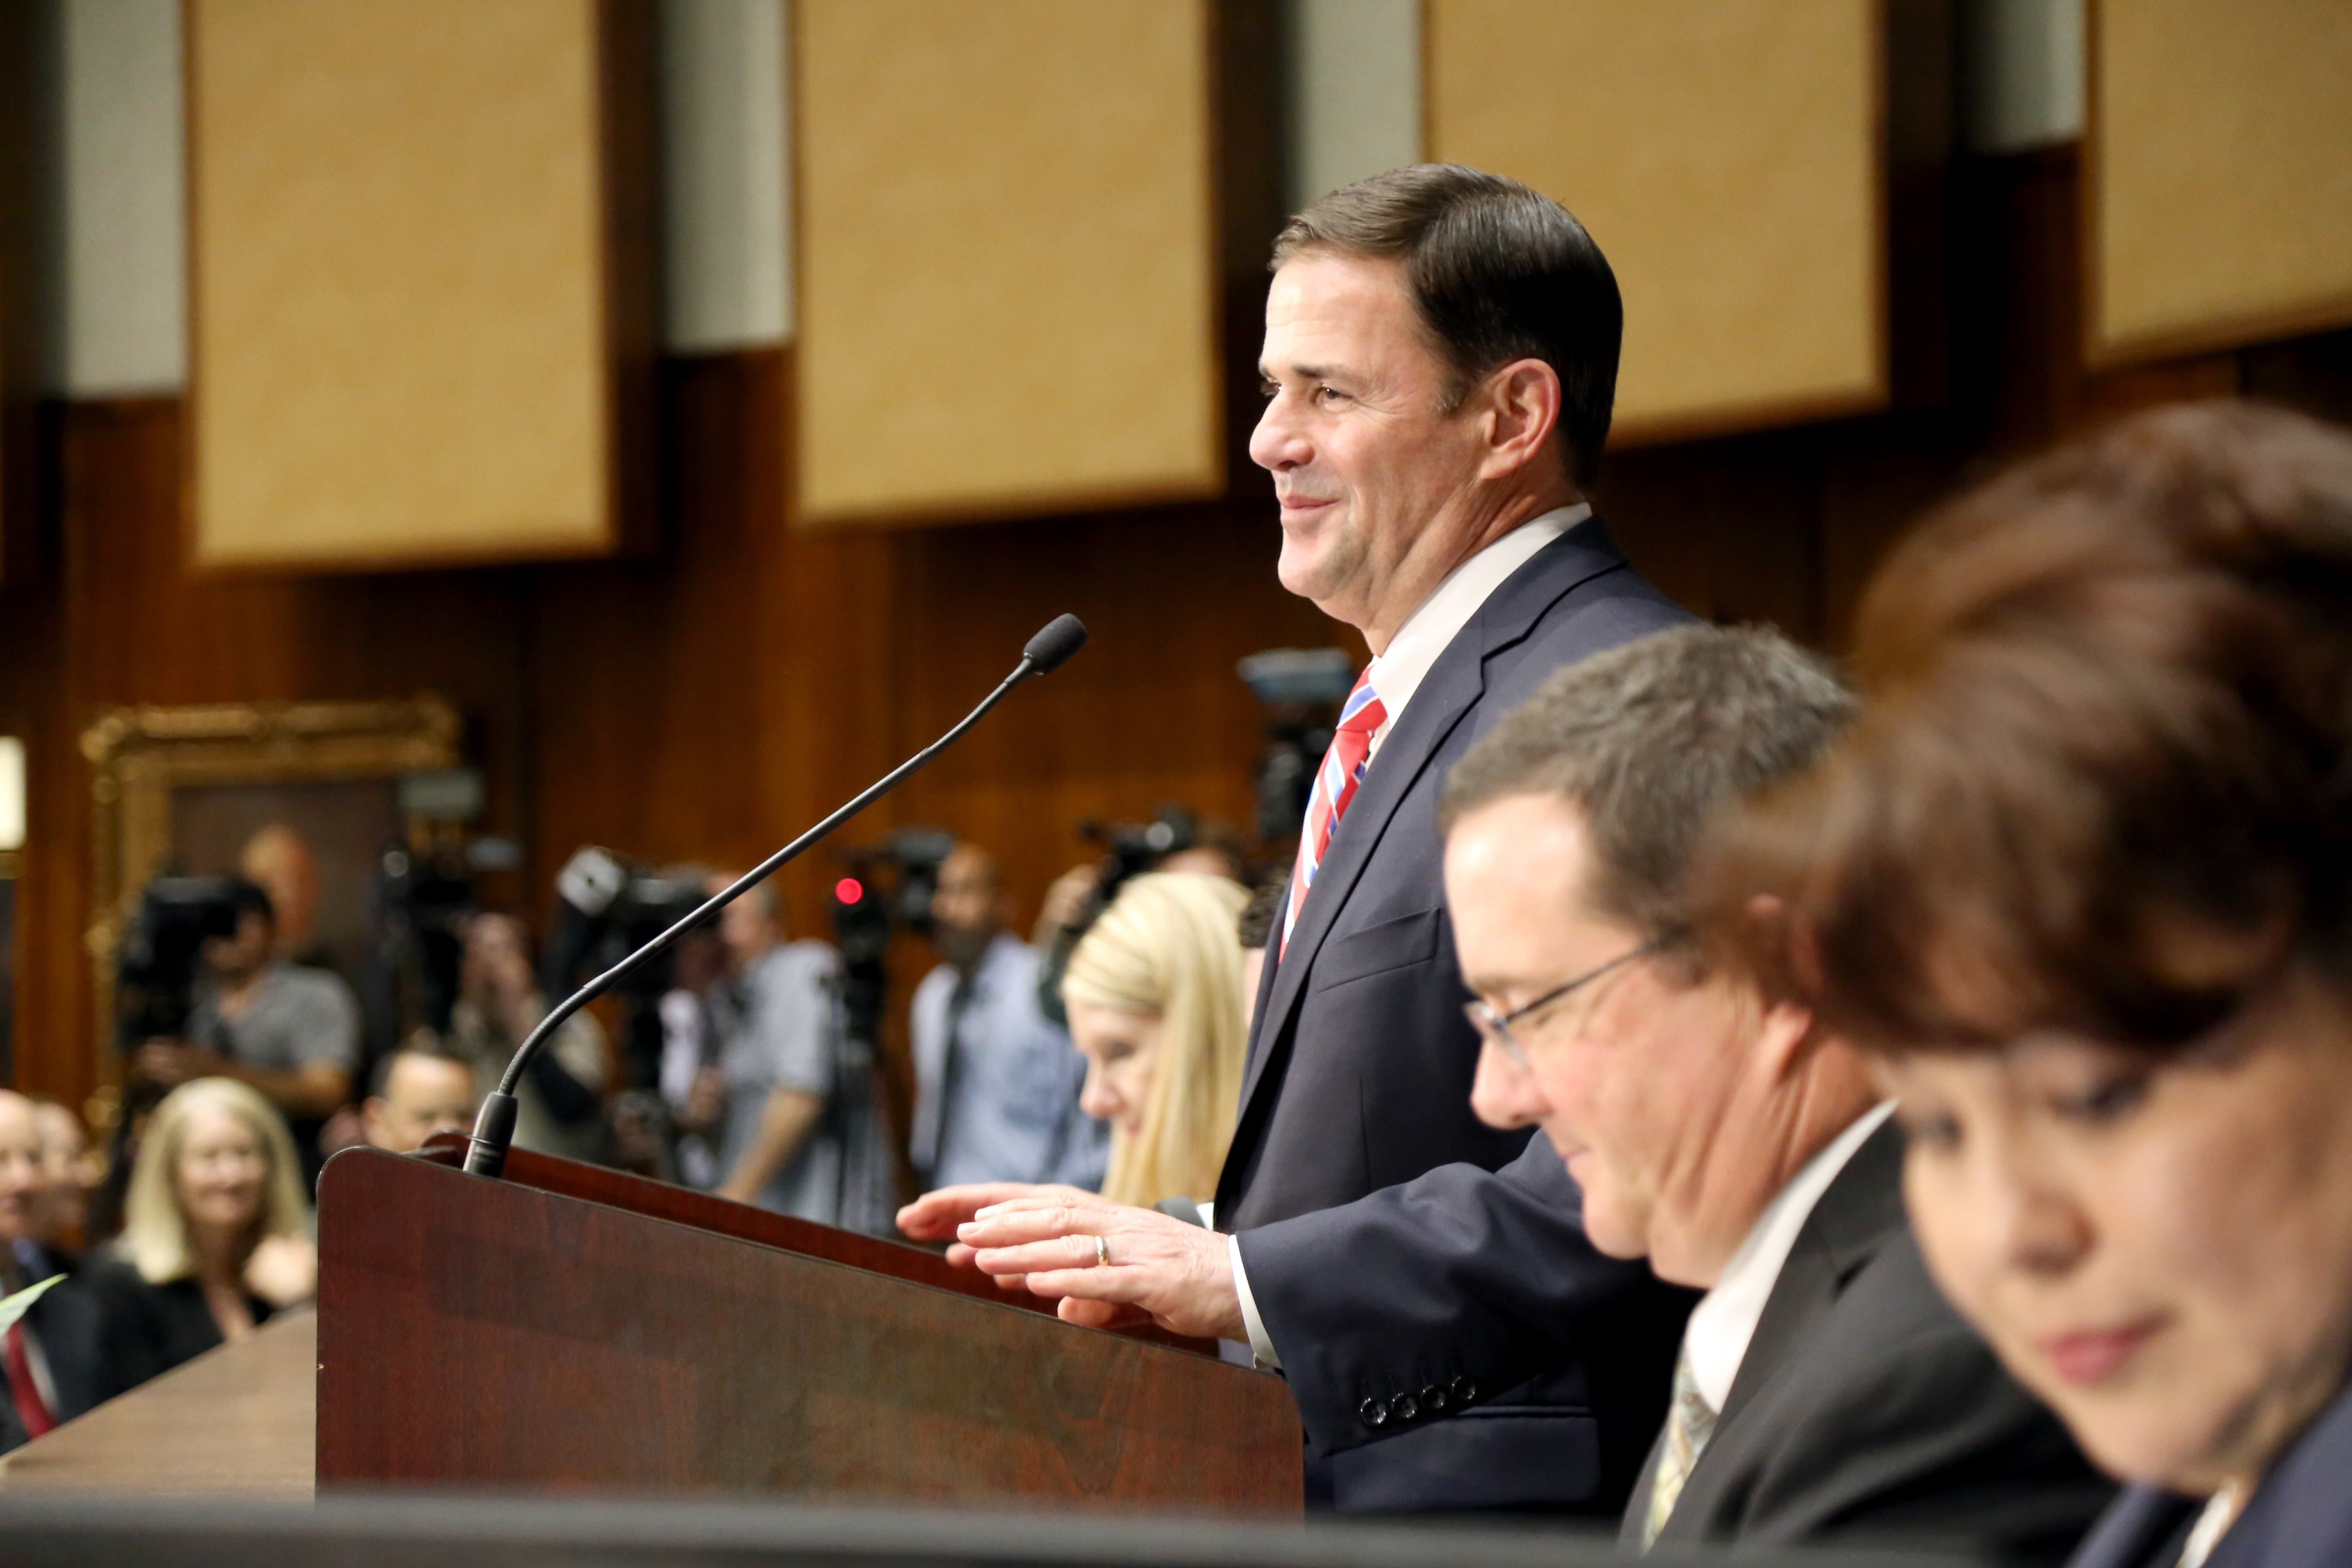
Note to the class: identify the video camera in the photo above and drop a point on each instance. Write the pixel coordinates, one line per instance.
(888, 888)
(155, 966)
(606, 908)
(1130, 849)
(1302, 690)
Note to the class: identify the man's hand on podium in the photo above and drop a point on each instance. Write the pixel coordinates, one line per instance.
(1044, 1238)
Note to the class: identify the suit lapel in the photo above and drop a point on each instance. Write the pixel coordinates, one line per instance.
(1449, 692)
(1852, 1220)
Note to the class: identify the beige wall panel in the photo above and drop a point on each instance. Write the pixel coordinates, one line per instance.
(2220, 190)
(399, 305)
(1007, 256)
(1724, 153)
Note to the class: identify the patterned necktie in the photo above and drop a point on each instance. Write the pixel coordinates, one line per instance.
(1690, 1422)
(23, 1390)
(1335, 786)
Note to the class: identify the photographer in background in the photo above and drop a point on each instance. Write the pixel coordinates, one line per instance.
(561, 1101)
(996, 1083)
(794, 1105)
(290, 1032)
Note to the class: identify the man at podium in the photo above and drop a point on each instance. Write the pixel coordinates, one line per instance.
(1439, 366)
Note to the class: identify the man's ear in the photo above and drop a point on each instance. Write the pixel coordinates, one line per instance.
(1786, 962)
(1786, 1038)
(1522, 407)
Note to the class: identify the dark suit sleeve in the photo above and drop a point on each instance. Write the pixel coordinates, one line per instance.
(69, 1321)
(1462, 1276)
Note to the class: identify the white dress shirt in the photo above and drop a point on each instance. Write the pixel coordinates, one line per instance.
(1724, 1320)
(1397, 673)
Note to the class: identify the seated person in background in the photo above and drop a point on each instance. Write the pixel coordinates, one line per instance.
(215, 1234)
(50, 1357)
(290, 1032)
(75, 1170)
(798, 1131)
(1154, 995)
(418, 1092)
(2082, 878)
(996, 1084)
(559, 1105)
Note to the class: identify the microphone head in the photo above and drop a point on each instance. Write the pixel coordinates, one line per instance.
(1051, 649)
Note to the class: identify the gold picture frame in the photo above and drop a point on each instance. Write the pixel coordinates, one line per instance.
(140, 757)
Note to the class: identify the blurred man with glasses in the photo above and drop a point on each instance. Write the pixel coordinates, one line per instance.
(1824, 1391)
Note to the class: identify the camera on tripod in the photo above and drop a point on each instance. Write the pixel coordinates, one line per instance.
(155, 966)
(1302, 690)
(606, 908)
(887, 889)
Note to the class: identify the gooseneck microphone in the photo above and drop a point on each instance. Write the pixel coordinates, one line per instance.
(494, 1126)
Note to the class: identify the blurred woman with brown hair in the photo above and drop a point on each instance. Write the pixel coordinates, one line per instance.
(216, 1235)
(2083, 877)
(1154, 995)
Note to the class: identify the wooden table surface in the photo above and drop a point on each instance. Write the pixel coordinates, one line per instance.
(239, 1421)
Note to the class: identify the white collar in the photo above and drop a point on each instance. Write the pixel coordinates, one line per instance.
(1397, 672)
(1726, 1318)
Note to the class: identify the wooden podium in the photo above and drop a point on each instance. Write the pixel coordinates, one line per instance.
(569, 1328)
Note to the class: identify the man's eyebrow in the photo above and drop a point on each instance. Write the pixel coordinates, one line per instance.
(1306, 373)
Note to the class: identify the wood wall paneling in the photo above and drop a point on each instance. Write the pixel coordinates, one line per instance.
(1008, 257)
(2220, 186)
(25, 38)
(708, 703)
(418, 316)
(1728, 158)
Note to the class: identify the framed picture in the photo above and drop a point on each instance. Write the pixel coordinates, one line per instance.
(195, 791)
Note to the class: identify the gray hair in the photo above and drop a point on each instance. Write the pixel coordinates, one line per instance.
(1649, 741)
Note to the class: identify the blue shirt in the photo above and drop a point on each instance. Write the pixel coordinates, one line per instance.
(1009, 1111)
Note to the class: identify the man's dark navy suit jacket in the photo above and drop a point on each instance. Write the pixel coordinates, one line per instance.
(1358, 1172)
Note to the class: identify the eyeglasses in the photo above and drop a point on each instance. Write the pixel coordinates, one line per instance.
(1495, 1028)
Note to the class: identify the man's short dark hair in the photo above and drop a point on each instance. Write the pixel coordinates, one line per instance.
(1256, 926)
(1648, 743)
(424, 1046)
(247, 898)
(1497, 272)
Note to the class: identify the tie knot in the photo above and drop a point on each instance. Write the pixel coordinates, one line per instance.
(1363, 713)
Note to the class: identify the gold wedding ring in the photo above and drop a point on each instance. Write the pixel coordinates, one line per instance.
(1102, 1253)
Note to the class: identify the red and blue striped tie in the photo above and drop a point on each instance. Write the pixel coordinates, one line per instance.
(1335, 786)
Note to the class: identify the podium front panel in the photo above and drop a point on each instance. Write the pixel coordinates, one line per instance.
(487, 1333)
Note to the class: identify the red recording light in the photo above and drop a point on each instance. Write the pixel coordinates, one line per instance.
(849, 889)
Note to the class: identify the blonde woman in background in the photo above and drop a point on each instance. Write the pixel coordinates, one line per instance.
(1155, 1006)
(216, 1235)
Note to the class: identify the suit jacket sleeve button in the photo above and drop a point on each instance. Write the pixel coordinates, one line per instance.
(1463, 1390)
(1404, 1407)
(1374, 1413)
(1434, 1398)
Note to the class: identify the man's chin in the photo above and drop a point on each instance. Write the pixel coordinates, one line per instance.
(1312, 565)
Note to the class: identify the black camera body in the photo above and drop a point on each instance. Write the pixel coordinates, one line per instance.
(1302, 690)
(889, 889)
(155, 967)
(606, 908)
